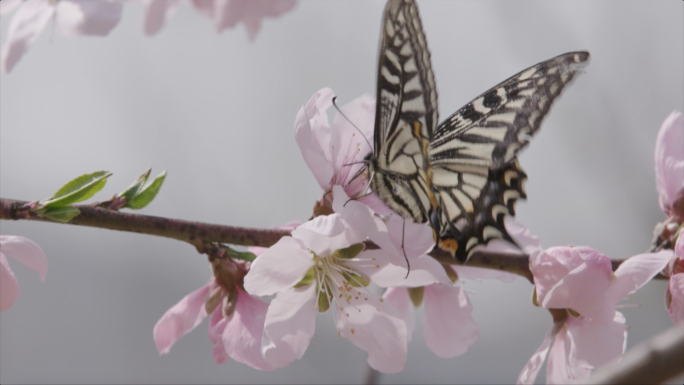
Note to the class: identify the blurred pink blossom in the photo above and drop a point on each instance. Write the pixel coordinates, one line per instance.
(309, 274)
(224, 13)
(235, 327)
(71, 18)
(333, 153)
(674, 293)
(582, 291)
(25, 251)
(669, 161)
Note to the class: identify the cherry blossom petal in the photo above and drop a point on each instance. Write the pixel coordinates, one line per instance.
(242, 334)
(217, 324)
(669, 159)
(250, 12)
(531, 369)
(325, 234)
(635, 272)
(310, 121)
(9, 287)
(205, 7)
(87, 17)
(475, 273)
(676, 287)
(352, 145)
(156, 14)
(24, 28)
(425, 270)
(448, 327)
(558, 371)
(547, 271)
(399, 298)
(376, 327)
(25, 251)
(278, 268)
(596, 342)
(578, 290)
(7, 6)
(417, 238)
(362, 219)
(290, 324)
(180, 319)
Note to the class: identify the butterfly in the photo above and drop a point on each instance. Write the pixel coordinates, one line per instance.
(462, 176)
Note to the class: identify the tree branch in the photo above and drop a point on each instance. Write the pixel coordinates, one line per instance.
(198, 233)
(652, 362)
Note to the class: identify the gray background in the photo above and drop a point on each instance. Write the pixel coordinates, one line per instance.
(217, 112)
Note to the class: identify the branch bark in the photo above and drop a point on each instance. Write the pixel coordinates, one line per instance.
(653, 362)
(198, 233)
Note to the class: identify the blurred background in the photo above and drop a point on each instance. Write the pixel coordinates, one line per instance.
(217, 112)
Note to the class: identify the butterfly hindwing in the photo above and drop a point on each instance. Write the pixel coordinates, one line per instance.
(475, 174)
(406, 113)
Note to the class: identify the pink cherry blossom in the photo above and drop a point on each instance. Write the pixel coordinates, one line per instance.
(669, 161)
(71, 18)
(578, 285)
(674, 293)
(308, 273)
(333, 153)
(224, 13)
(25, 251)
(448, 327)
(235, 329)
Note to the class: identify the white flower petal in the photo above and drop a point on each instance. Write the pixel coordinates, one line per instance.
(309, 123)
(24, 28)
(87, 17)
(290, 324)
(278, 268)
(399, 298)
(596, 342)
(669, 159)
(529, 372)
(325, 234)
(558, 370)
(376, 327)
(634, 272)
(448, 327)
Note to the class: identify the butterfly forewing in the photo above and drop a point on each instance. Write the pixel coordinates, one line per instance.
(406, 113)
(476, 178)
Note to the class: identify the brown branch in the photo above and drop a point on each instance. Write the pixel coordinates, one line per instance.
(198, 233)
(652, 362)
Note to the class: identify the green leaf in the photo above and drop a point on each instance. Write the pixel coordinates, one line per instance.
(61, 214)
(243, 256)
(350, 252)
(79, 189)
(145, 196)
(134, 189)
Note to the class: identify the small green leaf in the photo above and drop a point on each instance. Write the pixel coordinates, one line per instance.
(136, 186)
(61, 214)
(79, 189)
(243, 256)
(148, 193)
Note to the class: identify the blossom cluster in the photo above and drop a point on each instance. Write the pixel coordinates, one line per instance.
(324, 266)
(99, 17)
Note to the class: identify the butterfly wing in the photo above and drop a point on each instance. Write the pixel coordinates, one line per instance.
(475, 174)
(406, 113)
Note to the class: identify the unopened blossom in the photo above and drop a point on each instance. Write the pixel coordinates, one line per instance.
(334, 153)
(224, 13)
(322, 267)
(674, 293)
(579, 287)
(71, 18)
(236, 324)
(25, 251)
(669, 169)
(448, 327)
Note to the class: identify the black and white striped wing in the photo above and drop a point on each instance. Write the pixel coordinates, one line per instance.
(406, 113)
(475, 175)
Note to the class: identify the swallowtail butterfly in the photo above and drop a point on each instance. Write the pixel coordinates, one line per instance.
(462, 175)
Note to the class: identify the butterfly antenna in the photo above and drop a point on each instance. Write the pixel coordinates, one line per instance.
(403, 228)
(334, 99)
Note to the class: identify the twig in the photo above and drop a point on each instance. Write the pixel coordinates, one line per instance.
(198, 233)
(652, 362)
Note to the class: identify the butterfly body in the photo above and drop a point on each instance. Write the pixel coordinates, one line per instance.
(462, 176)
